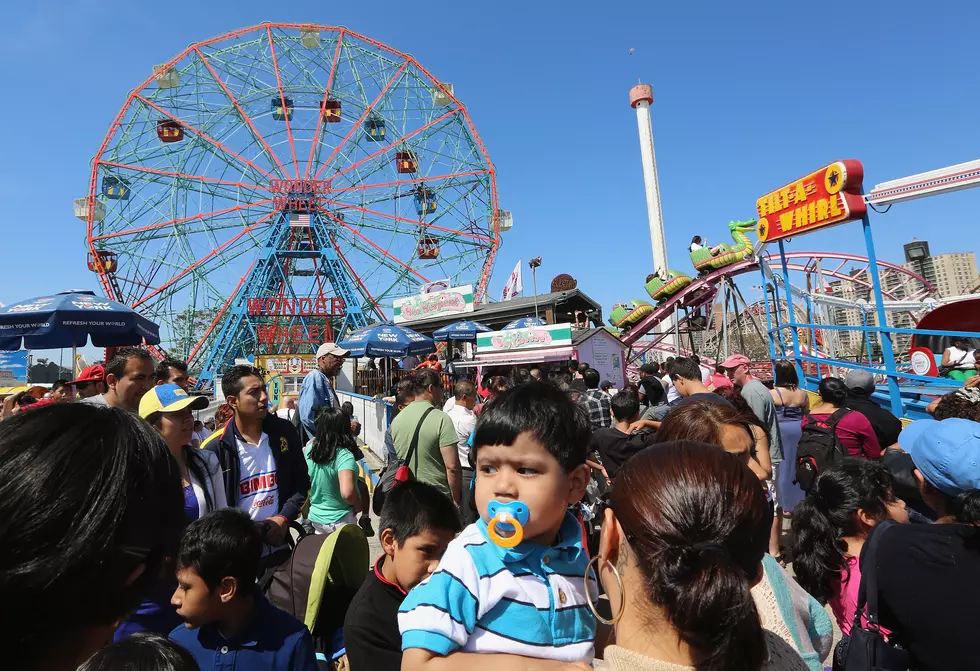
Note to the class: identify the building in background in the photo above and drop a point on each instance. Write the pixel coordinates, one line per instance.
(952, 274)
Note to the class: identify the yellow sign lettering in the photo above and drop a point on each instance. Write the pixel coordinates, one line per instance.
(811, 210)
(799, 194)
(786, 221)
(822, 207)
(835, 210)
(801, 217)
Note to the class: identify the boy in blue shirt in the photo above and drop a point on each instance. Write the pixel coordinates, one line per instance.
(528, 599)
(228, 624)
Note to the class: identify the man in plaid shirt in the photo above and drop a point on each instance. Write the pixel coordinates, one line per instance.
(595, 401)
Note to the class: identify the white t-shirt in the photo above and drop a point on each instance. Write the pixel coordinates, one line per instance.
(286, 413)
(449, 404)
(706, 374)
(464, 421)
(695, 247)
(258, 486)
(672, 393)
(962, 360)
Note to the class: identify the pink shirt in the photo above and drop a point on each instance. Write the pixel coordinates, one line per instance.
(845, 604)
(718, 381)
(855, 434)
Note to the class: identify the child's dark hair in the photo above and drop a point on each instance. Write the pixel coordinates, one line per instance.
(625, 405)
(333, 433)
(545, 412)
(143, 651)
(223, 543)
(828, 514)
(412, 507)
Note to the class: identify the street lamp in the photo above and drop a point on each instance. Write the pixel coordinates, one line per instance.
(535, 263)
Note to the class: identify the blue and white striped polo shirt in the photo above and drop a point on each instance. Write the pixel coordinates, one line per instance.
(528, 600)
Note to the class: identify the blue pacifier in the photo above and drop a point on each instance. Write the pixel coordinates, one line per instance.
(508, 518)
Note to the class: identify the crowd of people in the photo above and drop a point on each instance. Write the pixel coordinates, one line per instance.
(652, 535)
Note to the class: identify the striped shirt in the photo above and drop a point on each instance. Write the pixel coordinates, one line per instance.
(528, 600)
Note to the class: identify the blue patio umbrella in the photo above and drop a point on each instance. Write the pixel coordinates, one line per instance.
(464, 330)
(69, 318)
(524, 323)
(387, 340)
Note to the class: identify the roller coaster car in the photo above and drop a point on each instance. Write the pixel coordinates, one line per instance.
(624, 316)
(660, 290)
(703, 260)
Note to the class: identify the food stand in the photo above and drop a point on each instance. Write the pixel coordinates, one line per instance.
(551, 346)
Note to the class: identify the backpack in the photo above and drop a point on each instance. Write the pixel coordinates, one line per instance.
(398, 470)
(818, 449)
(317, 583)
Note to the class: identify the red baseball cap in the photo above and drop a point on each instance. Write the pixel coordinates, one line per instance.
(90, 374)
(736, 360)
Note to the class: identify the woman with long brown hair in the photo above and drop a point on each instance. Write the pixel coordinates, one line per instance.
(681, 547)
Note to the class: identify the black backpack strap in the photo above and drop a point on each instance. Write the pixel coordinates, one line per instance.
(835, 418)
(412, 448)
(867, 603)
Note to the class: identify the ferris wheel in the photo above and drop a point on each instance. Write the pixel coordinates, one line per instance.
(284, 177)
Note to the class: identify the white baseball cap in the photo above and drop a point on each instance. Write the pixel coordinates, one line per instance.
(330, 348)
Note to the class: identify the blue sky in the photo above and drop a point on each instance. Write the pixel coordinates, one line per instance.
(746, 100)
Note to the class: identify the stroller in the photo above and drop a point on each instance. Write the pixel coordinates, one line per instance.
(317, 583)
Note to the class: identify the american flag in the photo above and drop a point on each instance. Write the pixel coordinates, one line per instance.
(299, 219)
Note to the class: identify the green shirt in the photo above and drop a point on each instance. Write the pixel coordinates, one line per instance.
(326, 504)
(437, 432)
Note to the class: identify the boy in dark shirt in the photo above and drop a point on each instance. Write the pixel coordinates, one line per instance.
(615, 444)
(417, 523)
(227, 622)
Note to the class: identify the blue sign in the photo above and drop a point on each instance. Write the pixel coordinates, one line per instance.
(13, 368)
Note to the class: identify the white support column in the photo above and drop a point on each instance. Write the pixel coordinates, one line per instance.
(641, 97)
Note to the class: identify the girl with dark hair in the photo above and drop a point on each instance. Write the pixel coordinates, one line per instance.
(333, 472)
(92, 504)
(853, 429)
(792, 405)
(169, 410)
(831, 526)
(681, 547)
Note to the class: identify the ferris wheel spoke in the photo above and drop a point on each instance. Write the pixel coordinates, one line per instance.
(408, 182)
(204, 259)
(393, 217)
(384, 252)
(388, 148)
(357, 278)
(181, 175)
(363, 116)
(245, 117)
(326, 96)
(204, 136)
(282, 98)
(183, 220)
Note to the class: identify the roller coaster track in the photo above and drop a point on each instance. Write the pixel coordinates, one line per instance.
(904, 290)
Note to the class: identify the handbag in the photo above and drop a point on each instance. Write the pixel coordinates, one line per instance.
(944, 370)
(398, 470)
(867, 649)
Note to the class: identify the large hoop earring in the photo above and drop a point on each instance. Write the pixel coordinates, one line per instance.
(588, 596)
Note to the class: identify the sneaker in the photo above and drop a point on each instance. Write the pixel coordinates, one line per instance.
(365, 524)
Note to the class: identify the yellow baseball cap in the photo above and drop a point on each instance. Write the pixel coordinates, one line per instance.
(169, 398)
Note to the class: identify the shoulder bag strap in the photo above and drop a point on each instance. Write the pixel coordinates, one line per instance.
(867, 602)
(412, 448)
(835, 418)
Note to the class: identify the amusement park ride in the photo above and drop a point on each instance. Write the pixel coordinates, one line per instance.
(282, 184)
(834, 285)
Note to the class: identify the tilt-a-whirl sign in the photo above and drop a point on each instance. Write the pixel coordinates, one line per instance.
(826, 197)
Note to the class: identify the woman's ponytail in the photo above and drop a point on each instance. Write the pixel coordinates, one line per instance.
(697, 524)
